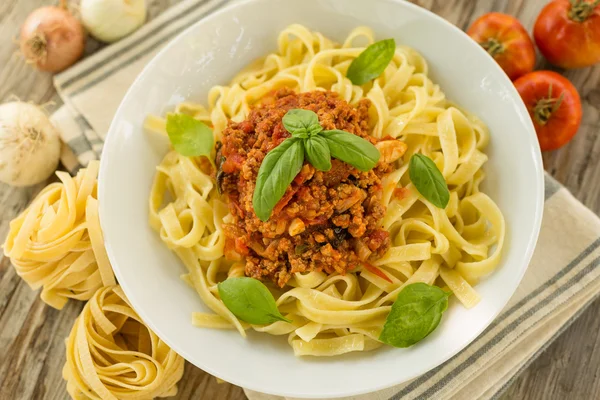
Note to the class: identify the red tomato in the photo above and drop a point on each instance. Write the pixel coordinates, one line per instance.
(507, 41)
(568, 33)
(554, 106)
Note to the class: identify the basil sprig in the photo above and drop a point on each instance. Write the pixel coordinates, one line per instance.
(428, 180)
(284, 162)
(301, 123)
(189, 137)
(416, 312)
(250, 300)
(371, 62)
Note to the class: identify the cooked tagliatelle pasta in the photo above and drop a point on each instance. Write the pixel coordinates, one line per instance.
(111, 353)
(333, 311)
(57, 243)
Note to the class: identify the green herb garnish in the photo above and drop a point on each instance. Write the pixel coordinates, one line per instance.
(317, 152)
(276, 173)
(428, 180)
(352, 149)
(301, 123)
(416, 312)
(301, 248)
(250, 300)
(371, 62)
(284, 162)
(189, 136)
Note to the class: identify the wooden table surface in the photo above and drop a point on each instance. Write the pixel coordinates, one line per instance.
(32, 350)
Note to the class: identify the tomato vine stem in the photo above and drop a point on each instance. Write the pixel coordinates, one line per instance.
(493, 46)
(582, 9)
(545, 107)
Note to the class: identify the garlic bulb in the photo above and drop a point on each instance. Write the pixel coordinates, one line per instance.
(111, 20)
(29, 144)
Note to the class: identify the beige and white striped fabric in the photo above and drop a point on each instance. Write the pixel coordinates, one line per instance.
(562, 280)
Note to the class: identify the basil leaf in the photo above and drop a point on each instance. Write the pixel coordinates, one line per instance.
(301, 248)
(371, 62)
(415, 314)
(301, 123)
(352, 149)
(317, 153)
(250, 300)
(276, 173)
(189, 136)
(428, 180)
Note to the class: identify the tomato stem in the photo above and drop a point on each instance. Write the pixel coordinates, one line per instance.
(545, 107)
(493, 46)
(582, 9)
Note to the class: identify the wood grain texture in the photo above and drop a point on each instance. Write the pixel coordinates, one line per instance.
(32, 334)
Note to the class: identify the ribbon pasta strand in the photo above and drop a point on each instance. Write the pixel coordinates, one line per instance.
(57, 243)
(113, 355)
(334, 314)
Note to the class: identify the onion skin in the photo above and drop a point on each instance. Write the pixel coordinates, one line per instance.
(52, 39)
(29, 144)
(112, 20)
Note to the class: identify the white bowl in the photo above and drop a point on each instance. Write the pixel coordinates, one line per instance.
(211, 52)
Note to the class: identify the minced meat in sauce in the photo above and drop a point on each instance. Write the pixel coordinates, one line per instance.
(326, 221)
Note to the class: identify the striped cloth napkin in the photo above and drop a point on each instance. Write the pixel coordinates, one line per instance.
(562, 280)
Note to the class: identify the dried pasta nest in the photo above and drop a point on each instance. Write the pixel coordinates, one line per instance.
(112, 354)
(57, 243)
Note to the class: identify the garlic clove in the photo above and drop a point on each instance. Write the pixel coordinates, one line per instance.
(29, 144)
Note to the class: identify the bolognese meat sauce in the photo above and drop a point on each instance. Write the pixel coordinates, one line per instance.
(326, 221)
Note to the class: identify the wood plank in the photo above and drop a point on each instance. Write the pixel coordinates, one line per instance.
(32, 334)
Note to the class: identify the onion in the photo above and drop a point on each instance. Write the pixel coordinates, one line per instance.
(52, 38)
(362, 250)
(111, 20)
(29, 144)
